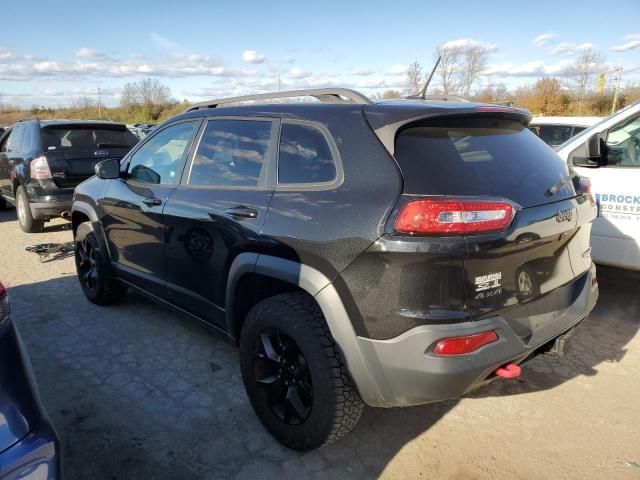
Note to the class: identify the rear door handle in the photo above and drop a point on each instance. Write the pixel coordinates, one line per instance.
(152, 201)
(242, 212)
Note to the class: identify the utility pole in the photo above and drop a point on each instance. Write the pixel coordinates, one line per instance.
(617, 78)
(99, 107)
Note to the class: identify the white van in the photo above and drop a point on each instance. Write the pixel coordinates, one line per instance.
(609, 154)
(554, 131)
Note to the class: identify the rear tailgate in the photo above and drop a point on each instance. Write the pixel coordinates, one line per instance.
(72, 150)
(519, 273)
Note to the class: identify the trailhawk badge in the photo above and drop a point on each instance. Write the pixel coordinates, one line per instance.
(488, 282)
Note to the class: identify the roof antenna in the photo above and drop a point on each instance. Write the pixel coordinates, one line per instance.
(423, 93)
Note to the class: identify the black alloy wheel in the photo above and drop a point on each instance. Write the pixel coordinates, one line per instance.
(282, 375)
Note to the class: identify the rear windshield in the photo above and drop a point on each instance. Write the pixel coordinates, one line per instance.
(86, 138)
(480, 156)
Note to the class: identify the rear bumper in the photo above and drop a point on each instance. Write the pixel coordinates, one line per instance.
(35, 457)
(407, 372)
(48, 200)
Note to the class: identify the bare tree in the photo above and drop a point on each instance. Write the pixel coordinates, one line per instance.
(584, 73)
(449, 65)
(414, 78)
(460, 66)
(474, 61)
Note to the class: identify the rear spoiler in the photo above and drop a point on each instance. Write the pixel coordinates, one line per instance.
(386, 125)
(85, 126)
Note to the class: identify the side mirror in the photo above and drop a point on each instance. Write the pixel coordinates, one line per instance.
(590, 154)
(108, 169)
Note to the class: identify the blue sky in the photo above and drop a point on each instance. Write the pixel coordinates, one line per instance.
(52, 52)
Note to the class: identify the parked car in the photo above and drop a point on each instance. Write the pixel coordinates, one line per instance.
(29, 446)
(609, 154)
(557, 130)
(393, 253)
(2, 129)
(41, 162)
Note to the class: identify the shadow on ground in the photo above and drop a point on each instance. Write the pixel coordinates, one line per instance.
(137, 391)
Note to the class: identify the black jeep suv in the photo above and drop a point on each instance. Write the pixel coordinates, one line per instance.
(41, 162)
(390, 253)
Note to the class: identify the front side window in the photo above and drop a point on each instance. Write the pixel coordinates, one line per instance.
(157, 161)
(305, 155)
(232, 153)
(623, 144)
(5, 143)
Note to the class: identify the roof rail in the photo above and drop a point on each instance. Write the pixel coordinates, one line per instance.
(444, 97)
(325, 95)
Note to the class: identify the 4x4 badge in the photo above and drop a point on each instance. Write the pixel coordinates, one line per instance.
(564, 215)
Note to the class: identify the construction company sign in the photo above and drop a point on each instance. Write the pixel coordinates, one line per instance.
(619, 206)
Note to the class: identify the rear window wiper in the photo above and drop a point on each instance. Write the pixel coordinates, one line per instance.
(554, 189)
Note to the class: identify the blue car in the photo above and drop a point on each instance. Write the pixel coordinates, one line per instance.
(29, 445)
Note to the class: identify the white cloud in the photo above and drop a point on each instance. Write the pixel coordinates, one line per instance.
(251, 56)
(398, 70)
(533, 69)
(469, 42)
(6, 54)
(89, 53)
(544, 38)
(361, 72)
(632, 41)
(162, 42)
(567, 48)
(297, 73)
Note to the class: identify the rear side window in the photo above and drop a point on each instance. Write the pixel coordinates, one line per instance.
(480, 157)
(68, 139)
(15, 139)
(555, 134)
(232, 153)
(305, 156)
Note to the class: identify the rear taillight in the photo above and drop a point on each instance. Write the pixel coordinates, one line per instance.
(585, 185)
(453, 217)
(39, 168)
(3, 291)
(462, 345)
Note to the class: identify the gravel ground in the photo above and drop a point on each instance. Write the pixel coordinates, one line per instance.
(139, 392)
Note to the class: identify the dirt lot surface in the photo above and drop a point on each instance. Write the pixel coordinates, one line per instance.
(139, 392)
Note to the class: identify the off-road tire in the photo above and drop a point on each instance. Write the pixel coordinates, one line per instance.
(102, 289)
(336, 406)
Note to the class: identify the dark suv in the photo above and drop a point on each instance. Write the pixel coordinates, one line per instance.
(41, 162)
(389, 254)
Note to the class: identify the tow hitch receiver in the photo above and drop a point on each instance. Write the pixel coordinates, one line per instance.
(509, 371)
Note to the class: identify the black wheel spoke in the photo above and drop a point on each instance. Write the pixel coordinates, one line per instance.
(269, 350)
(269, 379)
(293, 397)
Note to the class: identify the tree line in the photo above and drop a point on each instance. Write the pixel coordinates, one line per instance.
(459, 72)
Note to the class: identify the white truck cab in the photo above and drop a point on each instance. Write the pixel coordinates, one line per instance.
(609, 154)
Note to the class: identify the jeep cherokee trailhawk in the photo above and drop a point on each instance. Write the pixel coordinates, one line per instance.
(385, 253)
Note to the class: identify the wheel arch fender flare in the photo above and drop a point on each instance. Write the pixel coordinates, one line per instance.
(87, 210)
(316, 284)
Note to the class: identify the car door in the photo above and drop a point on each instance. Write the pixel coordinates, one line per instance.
(10, 159)
(133, 205)
(5, 178)
(616, 232)
(218, 211)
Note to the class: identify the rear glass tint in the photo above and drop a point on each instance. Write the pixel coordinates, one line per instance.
(480, 157)
(83, 139)
(305, 156)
